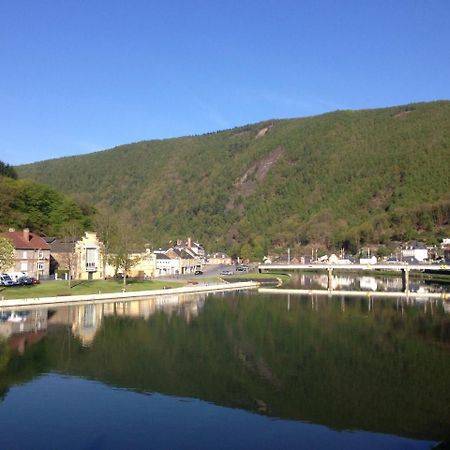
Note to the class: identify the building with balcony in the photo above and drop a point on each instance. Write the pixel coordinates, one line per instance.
(79, 258)
(89, 258)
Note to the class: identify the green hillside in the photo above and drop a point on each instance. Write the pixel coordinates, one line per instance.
(342, 178)
(24, 203)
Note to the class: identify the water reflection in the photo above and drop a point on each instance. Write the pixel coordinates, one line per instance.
(24, 327)
(377, 283)
(86, 320)
(349, 363)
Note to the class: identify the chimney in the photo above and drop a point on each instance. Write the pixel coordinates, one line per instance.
(26, 234)
(189, 242)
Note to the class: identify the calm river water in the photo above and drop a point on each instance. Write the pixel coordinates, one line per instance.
(234, 370)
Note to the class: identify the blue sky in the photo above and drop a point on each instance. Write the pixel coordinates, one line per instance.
(83, 75)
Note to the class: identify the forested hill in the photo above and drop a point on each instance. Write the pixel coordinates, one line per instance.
(24, 203)
(342, 178)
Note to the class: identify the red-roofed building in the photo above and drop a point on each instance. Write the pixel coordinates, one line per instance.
(32, 253)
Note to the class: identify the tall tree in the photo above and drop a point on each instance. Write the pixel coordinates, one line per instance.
(70, 234)
(106, 227)
(6, 254)
(124, 245)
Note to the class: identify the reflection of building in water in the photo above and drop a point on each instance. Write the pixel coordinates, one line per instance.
(339, 282)
(368, 283)
(85, 320)
(23, 327)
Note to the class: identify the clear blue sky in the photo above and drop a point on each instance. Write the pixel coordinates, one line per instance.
(83, 75)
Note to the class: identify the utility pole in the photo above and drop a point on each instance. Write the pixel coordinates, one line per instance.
(289, 255)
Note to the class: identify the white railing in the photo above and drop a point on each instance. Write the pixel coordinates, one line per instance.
(91, 267)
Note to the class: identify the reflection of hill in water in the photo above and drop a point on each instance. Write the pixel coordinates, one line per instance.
(386, 371)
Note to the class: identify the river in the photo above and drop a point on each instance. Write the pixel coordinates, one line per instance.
(230, 370)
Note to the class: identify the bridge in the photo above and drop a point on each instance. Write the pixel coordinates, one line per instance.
(404, 268)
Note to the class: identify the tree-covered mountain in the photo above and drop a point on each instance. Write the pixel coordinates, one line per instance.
(345, 178)
(24, 203)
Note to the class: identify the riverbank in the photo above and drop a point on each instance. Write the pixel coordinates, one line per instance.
(85, 287)
(124, 296)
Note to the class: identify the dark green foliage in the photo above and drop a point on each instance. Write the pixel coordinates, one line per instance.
(7, 171)
(24, 203)
(346, 178)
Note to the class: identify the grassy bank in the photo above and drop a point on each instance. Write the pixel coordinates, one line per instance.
(56, 288)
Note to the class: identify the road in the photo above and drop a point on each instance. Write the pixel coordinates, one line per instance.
(209, 271)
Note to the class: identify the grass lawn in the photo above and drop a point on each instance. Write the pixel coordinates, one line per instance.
(54, 288)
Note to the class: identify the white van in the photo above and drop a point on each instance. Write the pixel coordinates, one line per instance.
(15, 276)
(5, 280)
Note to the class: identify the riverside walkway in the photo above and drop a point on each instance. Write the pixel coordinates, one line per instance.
(404, 268)
(125, 296)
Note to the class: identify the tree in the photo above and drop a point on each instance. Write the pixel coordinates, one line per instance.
(7, 170)
(124, 244)
(106, 227)
(6, 254)
(71, 233)
(124, 261)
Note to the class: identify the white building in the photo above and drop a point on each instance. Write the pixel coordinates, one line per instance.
(166, 265)
(415, 250)
(368, 260)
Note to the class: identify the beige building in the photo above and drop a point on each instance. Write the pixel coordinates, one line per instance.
(145, 266)
(187, 263)
(82, 258)
(219, 258)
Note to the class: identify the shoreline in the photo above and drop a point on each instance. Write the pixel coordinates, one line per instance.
(367, 294)
(125, 296)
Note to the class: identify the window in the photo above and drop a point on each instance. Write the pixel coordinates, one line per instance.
(91, 258)
(40, 254)
(40, 265)
(25, 254)
(23, 266)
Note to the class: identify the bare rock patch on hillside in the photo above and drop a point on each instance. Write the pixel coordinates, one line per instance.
(247, 184)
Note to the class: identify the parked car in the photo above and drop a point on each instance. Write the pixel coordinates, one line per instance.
(242, 269)
(198, 272)
(35, 280)
(226, 272)
(25, 280)
(5, 280)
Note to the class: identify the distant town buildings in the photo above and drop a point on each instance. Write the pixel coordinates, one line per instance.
(84, 258)
(219, 258)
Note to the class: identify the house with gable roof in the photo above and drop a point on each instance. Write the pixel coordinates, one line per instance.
(31, 253)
